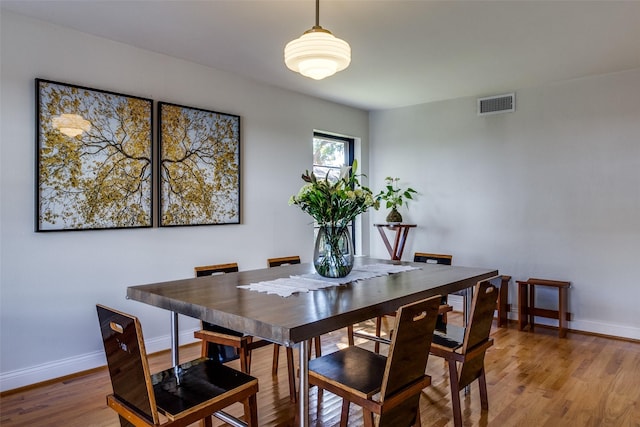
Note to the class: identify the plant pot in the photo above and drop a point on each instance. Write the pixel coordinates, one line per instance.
(333, 254)
(394, 217)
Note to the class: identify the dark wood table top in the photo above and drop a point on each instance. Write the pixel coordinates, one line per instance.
(217, 299)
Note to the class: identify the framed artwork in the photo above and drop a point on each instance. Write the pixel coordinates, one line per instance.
(199, 166)
(94, 159)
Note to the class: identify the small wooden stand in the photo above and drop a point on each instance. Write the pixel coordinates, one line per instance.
(527, 309)
(402, 230)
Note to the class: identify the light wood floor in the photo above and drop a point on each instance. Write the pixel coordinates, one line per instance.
(534, 379)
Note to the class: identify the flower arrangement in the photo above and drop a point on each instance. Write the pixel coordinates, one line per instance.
(334, 203)
(395, 197)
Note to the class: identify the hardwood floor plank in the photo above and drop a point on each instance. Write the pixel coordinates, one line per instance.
(533, 379)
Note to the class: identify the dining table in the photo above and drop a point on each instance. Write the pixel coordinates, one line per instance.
(295, 319)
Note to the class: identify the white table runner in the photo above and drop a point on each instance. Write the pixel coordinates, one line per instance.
(313, 281)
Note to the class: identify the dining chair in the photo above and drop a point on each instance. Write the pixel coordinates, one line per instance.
(278, 262)
(286, 260)
(464, 348)
(387, 386)
(442, 310)
(442, 259)
(429, 258)
(226, 344)
(190, 392)
(219, 342)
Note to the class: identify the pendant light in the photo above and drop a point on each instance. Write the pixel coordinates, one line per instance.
(317, 53)
(71, 124)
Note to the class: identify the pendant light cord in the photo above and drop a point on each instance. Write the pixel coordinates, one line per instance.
(317, 13)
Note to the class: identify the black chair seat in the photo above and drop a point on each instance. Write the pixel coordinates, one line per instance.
(354, 367)
(200, 381)
(449, 336)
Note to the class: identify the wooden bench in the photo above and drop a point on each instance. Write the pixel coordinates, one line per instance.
(527, 309)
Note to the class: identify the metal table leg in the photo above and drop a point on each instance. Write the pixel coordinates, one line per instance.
(303, 401)
(175, 346)
(468, 299)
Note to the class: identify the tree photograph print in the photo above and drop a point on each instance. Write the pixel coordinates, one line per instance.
(94, 163)
(199, 166)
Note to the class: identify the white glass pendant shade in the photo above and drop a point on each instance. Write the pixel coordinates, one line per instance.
(317, 54)
(71, 124)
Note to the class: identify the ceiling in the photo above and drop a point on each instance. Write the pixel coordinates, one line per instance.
(403, 52)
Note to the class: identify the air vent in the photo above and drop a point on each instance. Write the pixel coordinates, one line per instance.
(497, 104)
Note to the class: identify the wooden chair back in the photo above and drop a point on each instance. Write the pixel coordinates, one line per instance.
(287, 260)
(432, 258)
(127, 362)
(485, 297)
(208, 270)
(407, 359)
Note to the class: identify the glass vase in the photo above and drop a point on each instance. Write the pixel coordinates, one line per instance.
(333, 253)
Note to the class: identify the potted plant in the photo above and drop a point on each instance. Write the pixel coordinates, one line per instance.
(395, 197)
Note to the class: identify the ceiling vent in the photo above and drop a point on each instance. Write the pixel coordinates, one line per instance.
(497, 104)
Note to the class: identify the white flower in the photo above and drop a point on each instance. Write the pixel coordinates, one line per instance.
(304, 189)
(344, 172)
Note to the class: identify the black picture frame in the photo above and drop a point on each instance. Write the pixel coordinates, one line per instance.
(94, 162)
(199, 166)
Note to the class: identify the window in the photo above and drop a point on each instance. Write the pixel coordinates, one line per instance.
(330, 153)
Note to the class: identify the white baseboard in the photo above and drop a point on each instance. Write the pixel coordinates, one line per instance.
(63, 367)
(587, 326)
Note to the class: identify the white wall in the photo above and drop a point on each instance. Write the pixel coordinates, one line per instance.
(50, 282)
(551, 190)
